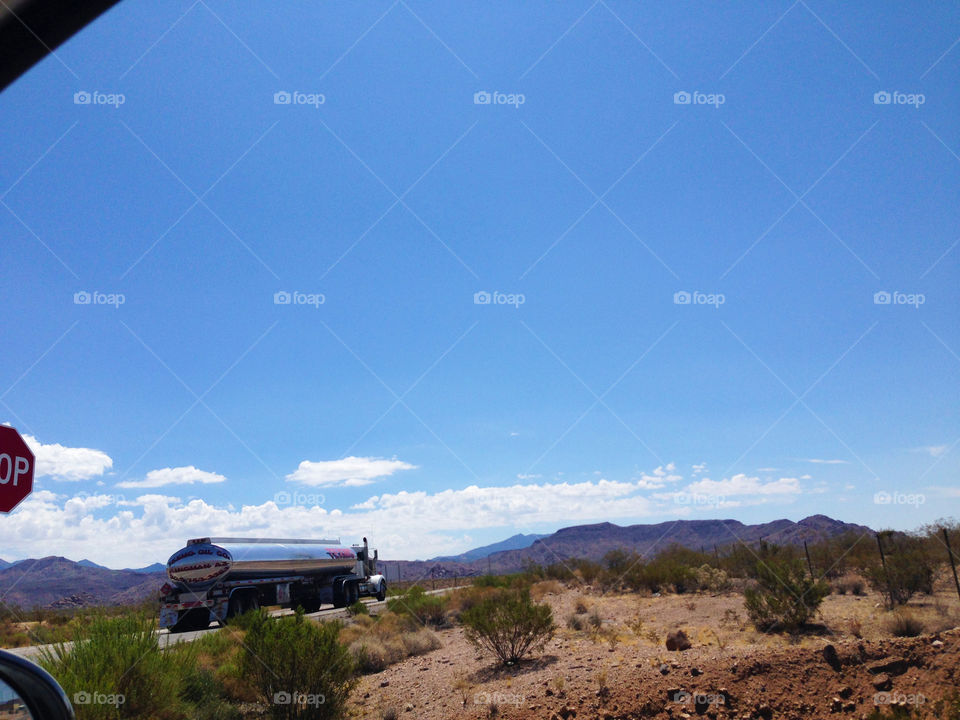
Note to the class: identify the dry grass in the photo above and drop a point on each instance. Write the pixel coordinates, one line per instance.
(378, 642)
(538, 591)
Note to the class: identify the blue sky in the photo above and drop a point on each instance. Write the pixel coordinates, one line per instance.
(587, 197)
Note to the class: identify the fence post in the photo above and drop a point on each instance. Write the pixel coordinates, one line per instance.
(953, 564)
(809, 564)
(883, 561)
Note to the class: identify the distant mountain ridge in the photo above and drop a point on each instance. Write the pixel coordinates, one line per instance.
(48, 581)
(515, 542)
(592, 542)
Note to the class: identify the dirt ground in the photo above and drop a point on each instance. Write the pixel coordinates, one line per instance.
(623, 670)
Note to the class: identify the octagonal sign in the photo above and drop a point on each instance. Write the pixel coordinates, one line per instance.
(16, 469)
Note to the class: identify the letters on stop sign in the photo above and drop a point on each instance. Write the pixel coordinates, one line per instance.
(13, 468)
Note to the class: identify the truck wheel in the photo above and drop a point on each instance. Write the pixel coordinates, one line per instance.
(382, 592)
(339, 595)
(353, 593)
(310, 606)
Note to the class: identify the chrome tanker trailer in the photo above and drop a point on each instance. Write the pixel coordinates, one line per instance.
(213, 579)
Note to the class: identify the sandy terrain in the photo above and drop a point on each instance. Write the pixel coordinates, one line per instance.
(624, 671)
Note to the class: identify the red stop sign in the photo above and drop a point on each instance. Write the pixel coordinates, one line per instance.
(16, 469)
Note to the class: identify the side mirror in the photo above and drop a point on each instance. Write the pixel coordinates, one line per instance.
(28, 692)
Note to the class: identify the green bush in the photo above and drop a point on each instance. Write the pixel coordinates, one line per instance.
(784, 597)
(508, 624)
(298, 667)
(116, 669)
(358, 608)
(420, 608)
(909, 569)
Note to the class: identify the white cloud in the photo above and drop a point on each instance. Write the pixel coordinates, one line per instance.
(932, 450)
(174, 476)
(819, 461)
(67, 463)
(698, 469)
(743, 485)
(346, 472)
(129, 532)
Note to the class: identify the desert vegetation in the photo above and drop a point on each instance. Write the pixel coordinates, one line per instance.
(570, 625)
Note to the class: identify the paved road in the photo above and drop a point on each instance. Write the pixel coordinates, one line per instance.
(166, 638)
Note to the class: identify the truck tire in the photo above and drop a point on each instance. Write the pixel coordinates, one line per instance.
(353, 593)
(382, 591)
(242, 602)
(309, 605)
(339, 594)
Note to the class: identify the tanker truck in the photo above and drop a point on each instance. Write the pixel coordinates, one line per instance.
(213, 579)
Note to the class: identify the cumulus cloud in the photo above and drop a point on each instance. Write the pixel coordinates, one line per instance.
(742, 484)
(934, 451)
(174, 476)
(120, 531)
(346, 472)
(68, 463)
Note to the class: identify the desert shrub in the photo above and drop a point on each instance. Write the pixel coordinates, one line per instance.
(375, 644)
(559, 571)
(575, 622)
(466, 598)
(784, 596)
(909, 569)
(546, 587)
(509, 625)
(903, 624)
(121, 657)
(358, 608)
(711, 579)
(581, 607)
(589, 570)
(420, 608)
(293, 661)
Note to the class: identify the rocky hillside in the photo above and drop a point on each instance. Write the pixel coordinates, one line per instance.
(594, 541)
(59, 582)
